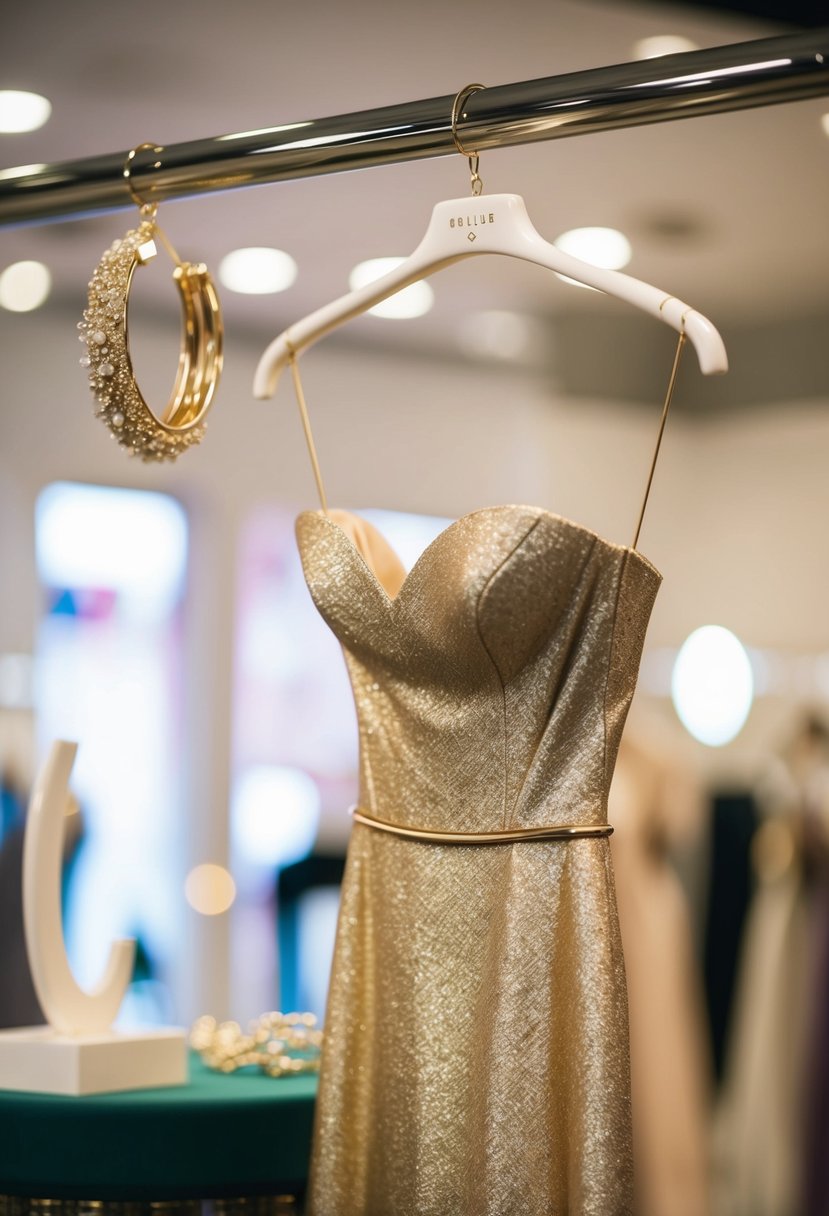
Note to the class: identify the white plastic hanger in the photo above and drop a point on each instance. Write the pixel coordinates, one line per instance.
(494, 223)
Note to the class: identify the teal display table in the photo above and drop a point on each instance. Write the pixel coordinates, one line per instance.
(221, 1136)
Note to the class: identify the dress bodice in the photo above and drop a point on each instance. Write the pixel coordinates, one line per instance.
(491, 682)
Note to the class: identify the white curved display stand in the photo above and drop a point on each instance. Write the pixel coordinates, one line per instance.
(78, 1052)
(66, 1006)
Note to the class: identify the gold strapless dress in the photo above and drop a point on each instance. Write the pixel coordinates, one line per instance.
(476, 1049)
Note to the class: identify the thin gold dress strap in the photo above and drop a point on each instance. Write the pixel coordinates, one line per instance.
(671, 383)
(306, 426)
(509, 836)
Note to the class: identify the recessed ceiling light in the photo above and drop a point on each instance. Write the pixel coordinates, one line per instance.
(824, 122)
(24, 286)
(22, 111)
(257, 271)
(605, 247)
(662, 44)
(412, 301)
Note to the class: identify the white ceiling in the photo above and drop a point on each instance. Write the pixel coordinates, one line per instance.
(746, 195)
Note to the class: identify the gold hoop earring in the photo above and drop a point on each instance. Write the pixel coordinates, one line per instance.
(105, 331)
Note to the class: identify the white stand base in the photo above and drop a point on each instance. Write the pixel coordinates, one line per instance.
(39, 1060)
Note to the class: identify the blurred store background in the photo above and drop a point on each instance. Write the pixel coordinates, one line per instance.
(158, 615)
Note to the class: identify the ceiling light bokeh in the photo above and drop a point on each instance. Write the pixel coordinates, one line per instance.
(257, 271)
(605, 247)
(412, 301)
(24, 286)
(21, 111)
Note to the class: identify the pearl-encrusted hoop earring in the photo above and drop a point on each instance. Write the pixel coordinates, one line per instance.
(105, 331)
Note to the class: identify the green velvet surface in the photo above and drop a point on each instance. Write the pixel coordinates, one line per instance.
(236, 1134)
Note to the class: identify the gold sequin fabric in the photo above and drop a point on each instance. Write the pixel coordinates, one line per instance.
(476, 1051)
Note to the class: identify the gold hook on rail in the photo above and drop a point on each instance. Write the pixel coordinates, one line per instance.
(471, 154)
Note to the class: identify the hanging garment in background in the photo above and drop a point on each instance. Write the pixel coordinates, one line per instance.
(730, 886)
(476, 1051)
(815, 1172)
(654, 804)
(777, 1032)
(18, 1002)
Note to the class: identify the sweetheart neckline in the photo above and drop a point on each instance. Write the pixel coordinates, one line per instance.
(541, 512)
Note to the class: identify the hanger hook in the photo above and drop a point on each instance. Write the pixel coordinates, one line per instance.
(147, 209)
(471, 154)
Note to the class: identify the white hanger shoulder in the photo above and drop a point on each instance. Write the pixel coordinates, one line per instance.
(468, 227)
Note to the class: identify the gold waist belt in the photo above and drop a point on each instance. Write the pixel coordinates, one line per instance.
(509, 836)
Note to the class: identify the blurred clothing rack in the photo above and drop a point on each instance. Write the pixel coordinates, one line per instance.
(735, 77)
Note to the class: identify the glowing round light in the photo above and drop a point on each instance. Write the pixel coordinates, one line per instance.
(22, 111)
(824, 122)
(24, 286)
(712, 685)
(662, 44)
(258, 271)
(209, 889)
(276, 812)
(605, 247)
(412, 301)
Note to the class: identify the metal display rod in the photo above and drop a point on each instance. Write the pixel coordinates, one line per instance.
(735, 77)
